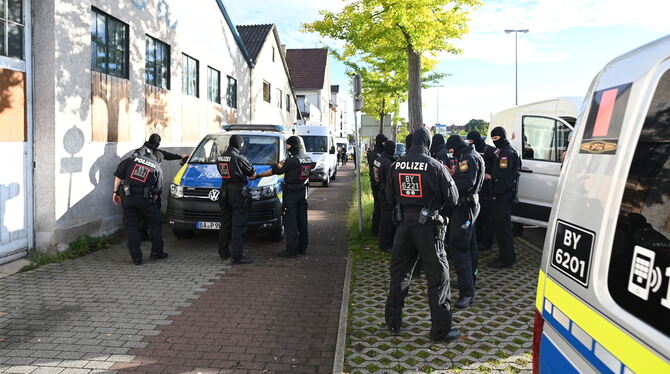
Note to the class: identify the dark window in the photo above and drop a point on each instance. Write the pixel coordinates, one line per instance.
(288, 102)
(266, 91)
(544, 139)
(157, 70)
(315, 143)
(639, 270)
(190, 76)
(231, 93)
(273, 54)
(11, 28)
(109, 45)
(213, 85)
(280, 95)
(259, 149)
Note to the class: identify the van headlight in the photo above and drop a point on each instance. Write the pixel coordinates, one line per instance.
(263, 193)
(320, 165)
(176, 191)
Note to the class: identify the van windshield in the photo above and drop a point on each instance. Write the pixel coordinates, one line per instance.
(315, 143)
(259, 149)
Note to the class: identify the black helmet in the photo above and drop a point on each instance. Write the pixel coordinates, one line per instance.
(236, 141)
(296, 144)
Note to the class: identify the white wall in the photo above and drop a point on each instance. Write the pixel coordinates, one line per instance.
(77, 202)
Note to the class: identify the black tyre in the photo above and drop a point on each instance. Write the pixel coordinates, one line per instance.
(327, 181)
(183, 234)
(517, 229)
(277, 232)
(334, 174)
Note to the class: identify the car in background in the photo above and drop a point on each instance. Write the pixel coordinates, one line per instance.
(320, 147)
(400, 150)
(193, 204)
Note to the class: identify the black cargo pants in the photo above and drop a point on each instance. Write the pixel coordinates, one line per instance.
(295, 219)
(411, 241)
(463, 250)
(502, 223)
(377, 210)
(485, 219)
(386, 225)
(233, 224)
(136, 209)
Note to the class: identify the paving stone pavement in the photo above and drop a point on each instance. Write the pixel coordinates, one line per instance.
(100, 314)
(497, 331)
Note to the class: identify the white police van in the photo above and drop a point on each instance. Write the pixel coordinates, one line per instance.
(603, 295)
(320, 147)
(194, 193)
(540, 132)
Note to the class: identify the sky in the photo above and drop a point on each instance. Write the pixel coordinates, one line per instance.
(568, 42)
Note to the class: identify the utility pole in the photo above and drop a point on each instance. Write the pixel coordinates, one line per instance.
(516, 61)
(358, 105)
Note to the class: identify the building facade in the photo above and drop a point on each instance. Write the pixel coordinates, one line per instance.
(310, 74)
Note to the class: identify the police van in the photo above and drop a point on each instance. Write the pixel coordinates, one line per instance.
(540, 132)
(194, 193)
(603, 295)
(320, 147)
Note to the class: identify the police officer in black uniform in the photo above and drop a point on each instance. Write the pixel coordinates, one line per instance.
(372, 155)
(485, 220)
(235, 200)
(469, 176)
(505, 175)
(420, 187)
(137, 184)
(382, 170)
(297, 168)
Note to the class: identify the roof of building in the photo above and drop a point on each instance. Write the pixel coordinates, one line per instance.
(254, 37)
(307, 67)
(233, 30)
(335, 88)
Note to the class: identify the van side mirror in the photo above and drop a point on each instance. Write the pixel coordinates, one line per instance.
(332, 150)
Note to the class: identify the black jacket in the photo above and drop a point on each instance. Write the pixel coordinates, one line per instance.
(505, 173)
(297, 168)
(469, 174)
(488, 153)
(234, 167)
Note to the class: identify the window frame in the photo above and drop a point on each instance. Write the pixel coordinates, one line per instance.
(168, 54)
(280, 97)
(210, 74)
(126, 36)
(555, 134)
(288, 103)
(5, 22)
(234, 92)
(185, 72)
(267, 99)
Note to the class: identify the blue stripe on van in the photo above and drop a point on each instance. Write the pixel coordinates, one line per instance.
(552, 360)
(207, 176)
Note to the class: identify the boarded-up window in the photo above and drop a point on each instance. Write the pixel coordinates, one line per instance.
(157, 105)
(110, 108)
(191, 110)
(12, 106)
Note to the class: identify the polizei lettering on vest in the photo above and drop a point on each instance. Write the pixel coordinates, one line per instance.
(145, 162)
(411, 165)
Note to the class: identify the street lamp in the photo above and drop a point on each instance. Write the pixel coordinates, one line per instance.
(516, 61)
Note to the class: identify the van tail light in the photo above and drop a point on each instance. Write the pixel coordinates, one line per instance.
(537, 338)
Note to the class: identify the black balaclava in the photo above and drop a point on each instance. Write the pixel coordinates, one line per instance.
(237, 142)
(476, 138)
(437, 144)
(379, 142)
(295, 143)
(456, 143)
(389, 148)
(153, 142)
(502, 142)
(408, 141)
(420, 142)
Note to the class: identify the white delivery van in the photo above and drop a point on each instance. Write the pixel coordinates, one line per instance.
(320, 146)
(540, 132)
(603, 295)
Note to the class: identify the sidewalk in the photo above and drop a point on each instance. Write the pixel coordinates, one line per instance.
(190, 313)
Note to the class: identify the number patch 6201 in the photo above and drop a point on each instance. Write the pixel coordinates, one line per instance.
(572, 251)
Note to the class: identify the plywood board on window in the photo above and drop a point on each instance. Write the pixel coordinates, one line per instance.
(214, 117)
(157, 112)
(110, 106)
(190, 118)
(230, 116)
(13, 125)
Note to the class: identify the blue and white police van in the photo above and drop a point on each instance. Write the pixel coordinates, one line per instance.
(193, 204)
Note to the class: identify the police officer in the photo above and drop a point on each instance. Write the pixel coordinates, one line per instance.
(469, 176)
(505, 176)
(382, 170)
(485, 221)
(420, 186)
(137, 183)
(297, 168)
(235, 200)
(372, 155)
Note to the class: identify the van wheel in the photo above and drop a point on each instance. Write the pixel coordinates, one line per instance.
(277, 232)
(183, 234)
(327, 181)
(517, 229)
(335, 173)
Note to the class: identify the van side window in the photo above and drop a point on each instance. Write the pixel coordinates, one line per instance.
(544, 139)
(639, 270)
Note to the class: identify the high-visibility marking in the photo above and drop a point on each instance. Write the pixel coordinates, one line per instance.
(604, 117)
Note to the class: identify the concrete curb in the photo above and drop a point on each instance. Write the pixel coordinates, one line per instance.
(340, 347)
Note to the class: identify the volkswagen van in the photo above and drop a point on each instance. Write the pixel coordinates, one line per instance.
(320, 147)
(193, 203)
(603, 295)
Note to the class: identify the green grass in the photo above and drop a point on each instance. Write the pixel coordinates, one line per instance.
(81, 246)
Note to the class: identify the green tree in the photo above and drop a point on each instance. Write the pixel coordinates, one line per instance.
(401, 36)
(477, 125)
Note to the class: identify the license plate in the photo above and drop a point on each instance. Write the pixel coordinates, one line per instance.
(208, 225)
(572, 252)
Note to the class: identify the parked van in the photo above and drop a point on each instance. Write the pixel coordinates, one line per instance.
(603, 295)
(320, 146)
(540, 132)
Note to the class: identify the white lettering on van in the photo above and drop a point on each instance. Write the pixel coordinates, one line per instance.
(571, 239)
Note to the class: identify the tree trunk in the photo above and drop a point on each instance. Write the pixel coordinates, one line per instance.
(394, 132)
(381, 117)
(414, 90)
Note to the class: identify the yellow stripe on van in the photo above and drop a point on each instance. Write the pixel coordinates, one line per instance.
(623, 346)
(180, 174)
(539, 295)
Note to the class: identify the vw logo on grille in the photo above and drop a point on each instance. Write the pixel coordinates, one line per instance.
(214, 195)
